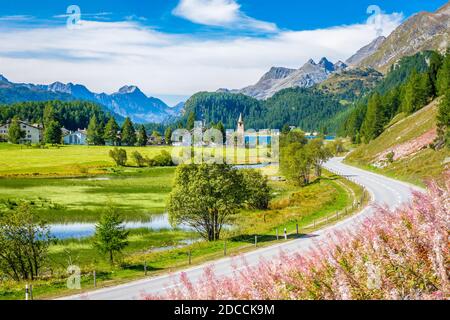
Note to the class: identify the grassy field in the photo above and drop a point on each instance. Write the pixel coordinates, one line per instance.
(18, 160)
(415, 168)
(139, 193)
(292, 205)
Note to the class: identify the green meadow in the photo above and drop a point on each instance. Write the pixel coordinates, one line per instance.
(74, 183)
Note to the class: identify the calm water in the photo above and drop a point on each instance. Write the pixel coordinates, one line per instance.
(84, 230)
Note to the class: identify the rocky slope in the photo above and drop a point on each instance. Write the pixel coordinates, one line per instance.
(279, 78)
(365, 51)
(423, 31)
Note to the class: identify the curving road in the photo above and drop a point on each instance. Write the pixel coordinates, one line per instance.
(383, 190)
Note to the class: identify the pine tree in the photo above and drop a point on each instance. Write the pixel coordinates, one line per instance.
(111, 130)
(142, 137)
(373, 123)
(110, 234)
(443, 77)
(168, 136)
(95, 132)
(128, 133)
(52, 133)
(49, 114)
(190, 121)
(443, 121)
(15, 134)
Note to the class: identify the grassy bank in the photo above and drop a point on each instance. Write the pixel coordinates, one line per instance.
(405, 134)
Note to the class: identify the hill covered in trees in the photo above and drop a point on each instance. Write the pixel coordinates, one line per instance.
(309, 109)
(410, 85)
(72, 115)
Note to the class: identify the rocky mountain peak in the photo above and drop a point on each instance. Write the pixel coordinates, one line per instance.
(3, 79)
(129, 90)
(277, 73)
(327, 65)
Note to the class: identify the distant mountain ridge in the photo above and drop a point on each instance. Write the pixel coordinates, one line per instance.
(423, 31)
(128, 101)
(279, 78)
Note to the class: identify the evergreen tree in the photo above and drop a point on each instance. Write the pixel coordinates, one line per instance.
(53, 133)
(443, 77)
(417, 92)
(95, 132)
(111, 130)
(373, 123)
(190, 121)
(49, 114)
(110, 234)
(433, 70)
(168, 136)
(128, 133)
(142, 136)
(221, 128)
(15, 133)
(443, 121)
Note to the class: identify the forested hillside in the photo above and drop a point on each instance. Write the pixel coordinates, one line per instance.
(412, 84)
(309, 109)
(72, 115)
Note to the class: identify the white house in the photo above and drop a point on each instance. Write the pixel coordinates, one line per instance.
(78, 137)
(33, 133)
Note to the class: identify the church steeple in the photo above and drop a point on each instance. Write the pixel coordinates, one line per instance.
(240, 127)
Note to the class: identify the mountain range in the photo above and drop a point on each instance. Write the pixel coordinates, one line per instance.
(423, 31)
(128, 101)
(279, 78)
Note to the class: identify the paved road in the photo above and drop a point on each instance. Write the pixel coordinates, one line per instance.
(383, 191)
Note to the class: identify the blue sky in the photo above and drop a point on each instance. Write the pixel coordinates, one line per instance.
(173, 48)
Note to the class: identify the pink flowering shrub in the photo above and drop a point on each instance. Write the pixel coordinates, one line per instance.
(393, 255)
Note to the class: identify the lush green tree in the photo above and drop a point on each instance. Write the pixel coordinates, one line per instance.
(138, 159)
(110, 234)
(435, 64)
(443, 121)
(24, 243)
(156, 136)
(142, 138)
(292, 136)
(164, 159)
(168, 136)
(219, 126)
(111, 130)
(119, 156)
(15, 133)
(285, 129)
(417, 92)
(319, 155)
(95, 132)
(49, 114)
(52, 132)
(190, 121)
(296, 162)
(257, 189)
(205, 197)
(443, 76)
(374, 120)
(128, 133)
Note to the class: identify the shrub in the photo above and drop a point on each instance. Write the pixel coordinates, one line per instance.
(138, 159)
(401, 254)
(119, 156)
(162, 160)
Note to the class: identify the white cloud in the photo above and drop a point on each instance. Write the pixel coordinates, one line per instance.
(16, 18)
(220, 13)
(106, 55)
